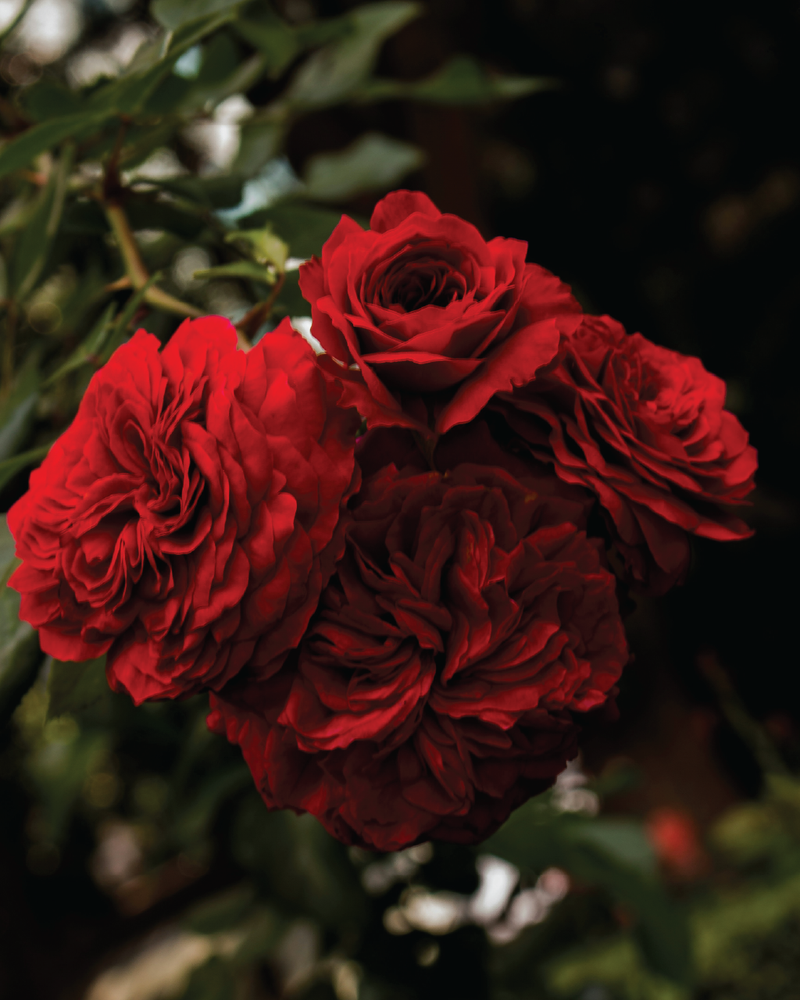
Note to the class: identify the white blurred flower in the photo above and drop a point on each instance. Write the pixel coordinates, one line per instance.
(217, 138)
(48, 29)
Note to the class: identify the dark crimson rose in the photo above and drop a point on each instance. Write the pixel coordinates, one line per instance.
(645, 429)
(420, 303)
(183, 522)
(434, 691)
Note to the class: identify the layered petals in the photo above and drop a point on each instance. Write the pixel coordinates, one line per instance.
(183, 523)
(421, 304)
(644, 429)
(436, 688)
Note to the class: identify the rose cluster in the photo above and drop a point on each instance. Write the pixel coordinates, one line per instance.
(394, 566)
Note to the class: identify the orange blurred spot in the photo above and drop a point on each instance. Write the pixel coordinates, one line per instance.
(673, 835)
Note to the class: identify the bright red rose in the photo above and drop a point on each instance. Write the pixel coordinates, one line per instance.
(435, 689)
(420, 303)
(183, 522)
(645, 429)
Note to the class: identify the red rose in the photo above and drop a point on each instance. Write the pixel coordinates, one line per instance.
(434, 690)
(644, 428)
(420, 303)
(183, 522)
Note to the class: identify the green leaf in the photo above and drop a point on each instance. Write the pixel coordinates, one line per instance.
(195, 816)
(74, 687)
(374, 162)
(303, 227)
(239, 269)
(263, 245)
(174, 14)
(336, 70)
(281, 43)
(11, 466)
(613, 855)
(19, 643)
(37, 237)
(260, 141)
(307, 870)
(88, 352)
(462, 80)
(221, 912)
(276, 40)
(18, 152)
(48, 98)
(130, 92)
(19, 408)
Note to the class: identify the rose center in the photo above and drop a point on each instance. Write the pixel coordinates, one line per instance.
(421, 276)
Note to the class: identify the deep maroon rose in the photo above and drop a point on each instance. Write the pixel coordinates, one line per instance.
(434, 692)
(420, 303)
(183, 522)
(645, 429)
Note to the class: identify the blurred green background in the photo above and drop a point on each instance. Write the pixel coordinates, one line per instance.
(180, 157)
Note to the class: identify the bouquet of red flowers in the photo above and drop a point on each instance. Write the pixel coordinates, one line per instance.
(395, 566)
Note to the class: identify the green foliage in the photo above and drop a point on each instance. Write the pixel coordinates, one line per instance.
(613, 855)
(74, 687)
(373, 162)
(460, 81)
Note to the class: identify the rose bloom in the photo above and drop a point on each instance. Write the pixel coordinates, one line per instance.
(468, 621)
(421, 304)
(645, 429)
(183, 523)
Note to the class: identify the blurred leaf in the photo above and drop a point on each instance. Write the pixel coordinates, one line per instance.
(174, 14)
(239, 269)
(214, 980)
(49, 98)
(18, 152)
(19, 643)
(613, 855)
(18, 410)
(306, 868)
(623, 839)
(129, 93)
(221, 912)
(223, 72)
(303, 227)
(462, 80)
(614, 963)
(260, 142)
(11, 466)
(263, 245)
(196, 814)
(336, 70)
(37, 237)
(59, 768)
(88, 352)
(281, 43)
(374, 162)
(74, 687)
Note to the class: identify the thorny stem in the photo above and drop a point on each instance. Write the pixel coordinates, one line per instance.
(248, 325)
(134, 265)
